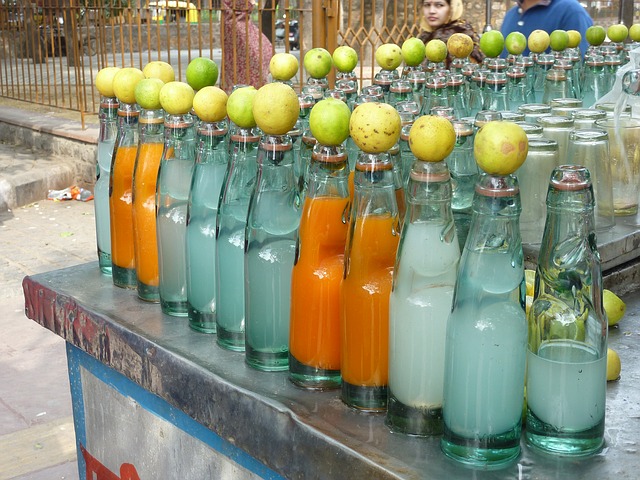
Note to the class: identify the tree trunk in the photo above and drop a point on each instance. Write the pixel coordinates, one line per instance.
(29, 44)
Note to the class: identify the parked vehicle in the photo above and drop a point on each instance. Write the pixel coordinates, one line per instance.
(294, 33)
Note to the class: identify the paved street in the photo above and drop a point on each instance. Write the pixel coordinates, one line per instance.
(36, 426)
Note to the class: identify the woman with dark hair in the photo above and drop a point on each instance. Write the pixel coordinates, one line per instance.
(441, 19)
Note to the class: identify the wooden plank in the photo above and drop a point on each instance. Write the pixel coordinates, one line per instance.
(37, 447)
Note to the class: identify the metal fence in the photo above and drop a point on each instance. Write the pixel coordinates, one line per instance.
(51, 51)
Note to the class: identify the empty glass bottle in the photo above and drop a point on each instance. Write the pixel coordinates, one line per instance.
(495, 92)
(487, 333)
(558, 128)
(517, 88)
(567, 354)
(594, 84)
(543, 63)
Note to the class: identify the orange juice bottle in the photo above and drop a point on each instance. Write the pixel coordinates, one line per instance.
(144, 203)
(372, 242)
(314, 335)
(120, 197)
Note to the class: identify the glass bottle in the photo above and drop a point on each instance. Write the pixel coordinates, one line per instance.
(573, 85)
(594, 83)
(202, 211)
(487, 333)
(612, 64)
(567, 354)
(555, 85)
(517, 88)
(314, 339)
(150, 147)
(512, 116)
(123, 262)
(456, 95)
(534, 111)
(495, 96)
(557, 128)
(384, 79)
(417, 79)
(370, 254)
(239, 182)
(420, 302)
(435, 94)
(106, 141)
(476, 91)
(350, 88)
(533, 130)
(270, 243)
(174, 182)
(585, 118)
(543, 63)
(527, 64)
(322, 83)
(400, 91)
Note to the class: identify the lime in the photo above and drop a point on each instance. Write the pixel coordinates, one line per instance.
(345, 58)
(558, 40)
(283, 66)
(389, 56)
(161, 70)
(240, 106)
(329, 121)
(460, 45)
(516, 43)
(202, 72)
(538, 41)
(492, 43)
(595, 35)
(210, 104)
(147, 93)
(634, 32)
(574, 38)
(104, 81)
(436, 50)
(432, 138)
(500, 147)
(176, 98)
(413, 51)
(375, 127)
(614, 307)
(276, 108)
(613, 365)
(617, 32)
(124, 84)
(317, 62)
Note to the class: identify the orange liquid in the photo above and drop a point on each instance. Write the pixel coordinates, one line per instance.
(144, 213)
(121, 208)
(314, 335)
(365, 301)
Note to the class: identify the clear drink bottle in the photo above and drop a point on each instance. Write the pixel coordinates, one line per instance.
(435, 94)
(272, 223)
(174, 182)
(237, 186)
(106, 141)
(123, 262)
(314, 341)
(594, 81)
(458, 98)
(420, 302)
(400, 91)
(517, 88)
(567, 354)
(202, 211)
(150, 147)
(487, 333)
(370, 254)
(384, 79)
(495, 92)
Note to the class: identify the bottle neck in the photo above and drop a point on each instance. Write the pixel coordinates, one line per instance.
(374, 186)
(212, 142)
(108, 110)
(429, 193)
(151, 125)
(179, 137)
(328, 172)
(244, 141)
(275, 163)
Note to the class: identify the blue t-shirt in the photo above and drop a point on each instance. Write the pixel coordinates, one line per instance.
(548, 16)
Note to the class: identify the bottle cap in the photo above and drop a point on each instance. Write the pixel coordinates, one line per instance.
(570, 178)
(496, 186)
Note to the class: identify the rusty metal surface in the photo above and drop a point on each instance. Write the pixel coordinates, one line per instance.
(297, 433)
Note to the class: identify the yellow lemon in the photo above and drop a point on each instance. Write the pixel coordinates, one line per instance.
(432, 138)
(210, 104)
(104, 81)
(161, 70)
(500, 147)
(176, 98)
(436, 50)
(345, 58)
(634, 32)
(538, 41)
(124, 84)
(575, 37)
(283, 66)
(329, 121)
(240, 106)
(516, 43)
(375, 127)
(389, 56)
(618, 32)
(317, 62)
(614, 366)
(276, 108)
(613, 306)
(460, 45)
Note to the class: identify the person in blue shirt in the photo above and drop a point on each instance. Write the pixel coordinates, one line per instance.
(547, 15)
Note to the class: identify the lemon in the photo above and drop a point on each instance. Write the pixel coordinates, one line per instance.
(413, 51)
(147, 93)
(345, 58)
(202, 72)
(574, 38)
(558, 40)
(329, 121)
(283, 66)
(555, 320)
(210, 104)
(389, 56)
(460, 45)
(317, 62)
(432, 138)
(176, 98)
(516, 43)
(500, 148)
(492, 43)
(530, 279)
(436, 50)
(617, 32)
(161, 70)
(375, 127)
(613, 306)
(538, 41)
(276, 108)
(595, 35)
(634, 32)
(124, 84)
(104, 81)
(240, 106)
(613, 365)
